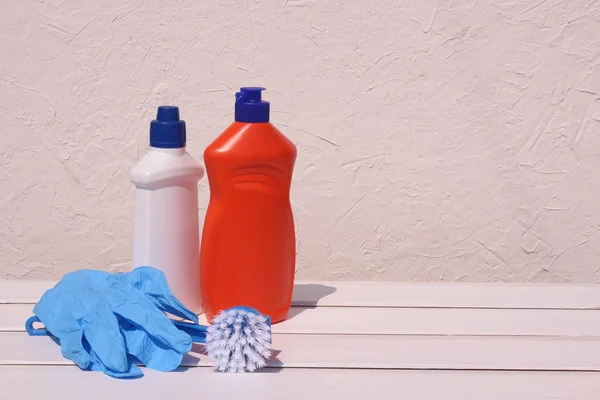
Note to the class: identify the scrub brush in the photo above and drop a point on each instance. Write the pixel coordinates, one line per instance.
(238, 340)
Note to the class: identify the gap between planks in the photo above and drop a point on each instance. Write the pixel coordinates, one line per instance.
(394, 294)
(370, 352)
(404, 321)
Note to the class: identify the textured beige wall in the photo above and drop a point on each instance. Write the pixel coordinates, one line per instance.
(437, 140)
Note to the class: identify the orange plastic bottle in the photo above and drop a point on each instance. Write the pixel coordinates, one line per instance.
(248, 246)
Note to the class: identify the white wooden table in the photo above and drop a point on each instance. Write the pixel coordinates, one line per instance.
(356, 340)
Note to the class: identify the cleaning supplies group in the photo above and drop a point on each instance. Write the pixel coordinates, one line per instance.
(240, 273)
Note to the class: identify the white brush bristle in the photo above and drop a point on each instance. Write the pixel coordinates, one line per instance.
(238, 341)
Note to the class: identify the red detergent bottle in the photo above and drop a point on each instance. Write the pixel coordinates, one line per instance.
(248, 246)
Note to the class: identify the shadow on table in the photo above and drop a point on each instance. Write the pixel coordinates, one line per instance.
(190, 360)
(274, 364)
(307, 296)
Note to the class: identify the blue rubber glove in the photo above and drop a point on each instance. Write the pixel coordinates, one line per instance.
(108, 322)
(149, 334)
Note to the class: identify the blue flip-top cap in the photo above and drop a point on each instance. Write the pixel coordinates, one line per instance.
(167, 131)
(249, 107)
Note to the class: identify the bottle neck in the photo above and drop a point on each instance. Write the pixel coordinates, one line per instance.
(176, 151)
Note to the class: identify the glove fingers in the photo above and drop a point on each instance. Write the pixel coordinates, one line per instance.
(149, 352)
(142, 313)
(72, 348)
(153, 283)
(133, 372)
(173, 306)
(65, 328)
(101, 330)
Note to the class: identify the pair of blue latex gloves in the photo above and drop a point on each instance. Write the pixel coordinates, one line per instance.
(110, 322)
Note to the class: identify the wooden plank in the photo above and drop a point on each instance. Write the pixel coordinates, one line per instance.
(438, 321)
(13, 316)
(69, 383)
(371, 352)
(446, 295)
(395, 294)
(23, 291)
(404, 321)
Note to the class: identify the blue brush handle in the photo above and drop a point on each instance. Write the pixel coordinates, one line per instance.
(197, 332)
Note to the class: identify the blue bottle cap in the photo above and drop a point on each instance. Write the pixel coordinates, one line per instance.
(167, 131)
(249, 107)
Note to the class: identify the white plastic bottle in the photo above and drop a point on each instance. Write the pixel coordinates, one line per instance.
(166, 231)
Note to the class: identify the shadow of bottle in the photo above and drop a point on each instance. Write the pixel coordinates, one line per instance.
(307, 296)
